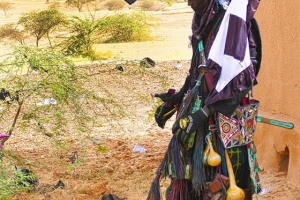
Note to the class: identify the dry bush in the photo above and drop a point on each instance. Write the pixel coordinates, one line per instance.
(115, 4)
(147, 4)
(12, 33)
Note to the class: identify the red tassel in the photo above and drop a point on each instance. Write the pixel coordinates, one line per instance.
(179, 190)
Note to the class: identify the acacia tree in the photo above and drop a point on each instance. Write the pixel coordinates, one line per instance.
(40, 24)
(6, 6)
(78, 3)
(33, 74)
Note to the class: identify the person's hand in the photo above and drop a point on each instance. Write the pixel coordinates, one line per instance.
(172, 96)
(165, 97)
(185, 126)
(164, 112)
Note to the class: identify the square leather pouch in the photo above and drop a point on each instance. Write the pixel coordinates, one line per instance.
(220, 181)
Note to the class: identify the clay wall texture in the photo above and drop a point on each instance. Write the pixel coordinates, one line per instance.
(279, 78)
(279, 87)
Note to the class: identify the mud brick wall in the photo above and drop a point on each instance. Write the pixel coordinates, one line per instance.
(279, 87)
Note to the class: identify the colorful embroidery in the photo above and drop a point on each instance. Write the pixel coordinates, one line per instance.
(239, 129)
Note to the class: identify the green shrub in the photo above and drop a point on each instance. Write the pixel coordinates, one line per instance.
(8, 183)
(126, 27)
(85, 32)
(83, 36)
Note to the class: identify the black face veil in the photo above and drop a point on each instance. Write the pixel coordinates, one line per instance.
(130, 1)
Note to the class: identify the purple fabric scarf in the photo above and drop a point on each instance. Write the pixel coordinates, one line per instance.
(203, 15)
(2, 136)
(203, 27)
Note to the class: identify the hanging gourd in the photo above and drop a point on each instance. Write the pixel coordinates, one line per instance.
(213, 159)
(234, 192)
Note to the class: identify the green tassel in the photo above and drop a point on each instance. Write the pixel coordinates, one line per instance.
(198, 179)
(187, 172)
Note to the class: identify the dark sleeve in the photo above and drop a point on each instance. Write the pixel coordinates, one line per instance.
(227, 106)
(176, 98)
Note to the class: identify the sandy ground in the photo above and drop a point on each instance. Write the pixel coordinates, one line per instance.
(119, 170)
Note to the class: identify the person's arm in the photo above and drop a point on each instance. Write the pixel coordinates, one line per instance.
(170, 99)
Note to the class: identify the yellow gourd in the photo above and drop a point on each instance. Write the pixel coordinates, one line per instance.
(234, 192)
(205, 154)
(213, 159)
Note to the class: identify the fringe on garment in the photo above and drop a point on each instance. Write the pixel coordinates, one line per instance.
(171, 165)
(178, 171)
(154, 193)
(198, 179)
